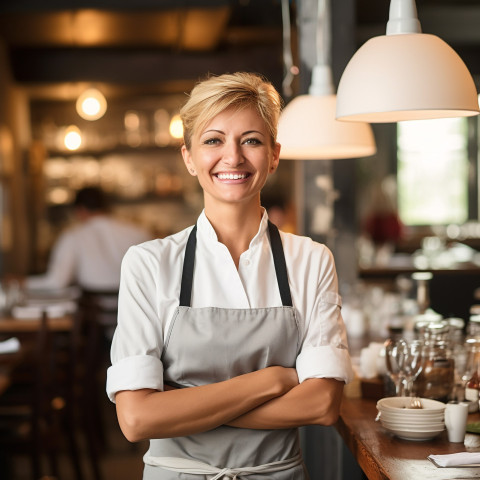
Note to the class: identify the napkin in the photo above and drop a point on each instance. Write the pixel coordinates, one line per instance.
(9, 346)
(462, 459)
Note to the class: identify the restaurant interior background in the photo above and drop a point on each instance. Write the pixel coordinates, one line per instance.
(144, 55)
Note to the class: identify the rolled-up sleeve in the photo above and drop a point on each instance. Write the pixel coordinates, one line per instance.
(134, 373)
(324, 352)
(138, 340)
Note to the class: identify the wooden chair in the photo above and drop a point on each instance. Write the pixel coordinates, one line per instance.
(36, 412)
(98, 318)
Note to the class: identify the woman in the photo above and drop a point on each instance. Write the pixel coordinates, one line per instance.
(225, 344)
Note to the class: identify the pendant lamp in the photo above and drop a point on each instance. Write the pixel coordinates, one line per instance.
(307, 128)
(405, 75)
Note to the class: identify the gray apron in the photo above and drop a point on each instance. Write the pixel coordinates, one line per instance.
(209, 345)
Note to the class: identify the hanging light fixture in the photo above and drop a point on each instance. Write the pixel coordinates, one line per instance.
(405, 75)
(91, 104)
(307, 128)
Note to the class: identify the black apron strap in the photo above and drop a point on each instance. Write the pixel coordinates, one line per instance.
(278, 260)
(280, 265)
(188, 264)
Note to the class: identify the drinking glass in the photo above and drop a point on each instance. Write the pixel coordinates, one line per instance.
(404, 362)
(395, 351)
(412, 365)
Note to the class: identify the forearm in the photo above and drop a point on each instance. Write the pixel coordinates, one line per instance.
(145, 414)
(314, 401)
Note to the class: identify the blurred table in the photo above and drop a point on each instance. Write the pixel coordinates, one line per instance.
(12, 326)
(25, 330)
(382, 456)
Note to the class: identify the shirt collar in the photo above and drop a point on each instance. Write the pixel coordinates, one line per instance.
(205, 229)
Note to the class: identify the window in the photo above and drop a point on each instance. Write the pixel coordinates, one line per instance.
(432, 175)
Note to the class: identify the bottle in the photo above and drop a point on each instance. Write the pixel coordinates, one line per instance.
(472, 392)
(423, 290)
(472, 371)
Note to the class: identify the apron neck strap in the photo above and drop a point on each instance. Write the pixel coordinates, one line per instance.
(278, 260)
(188, 264)
(280, 265)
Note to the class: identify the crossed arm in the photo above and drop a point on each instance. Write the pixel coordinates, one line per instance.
(270, 398)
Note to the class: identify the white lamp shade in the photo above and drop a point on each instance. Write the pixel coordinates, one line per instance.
(307, 130)
(393, 78)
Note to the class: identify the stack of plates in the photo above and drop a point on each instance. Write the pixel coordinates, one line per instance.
(411, 424)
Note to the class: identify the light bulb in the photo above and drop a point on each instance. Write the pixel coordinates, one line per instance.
(73, 138)
(91, 104)
(176, 127)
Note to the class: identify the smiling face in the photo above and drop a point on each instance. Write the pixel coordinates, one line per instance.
(232, 157)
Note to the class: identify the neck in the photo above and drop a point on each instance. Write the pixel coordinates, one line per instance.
(235, 226)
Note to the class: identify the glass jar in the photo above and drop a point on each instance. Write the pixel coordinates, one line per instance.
(456, 334)
(437, 378)
(473, 328)
(427, 322)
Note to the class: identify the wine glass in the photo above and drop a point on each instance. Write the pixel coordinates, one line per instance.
(404, 363)
(412, 364)
(395, 351)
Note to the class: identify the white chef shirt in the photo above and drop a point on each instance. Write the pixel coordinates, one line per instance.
(150, 290)
(89, 254)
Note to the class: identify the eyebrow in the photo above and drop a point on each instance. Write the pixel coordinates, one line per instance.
(248, 132)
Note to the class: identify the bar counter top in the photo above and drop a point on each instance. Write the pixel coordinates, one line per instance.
(381, 455)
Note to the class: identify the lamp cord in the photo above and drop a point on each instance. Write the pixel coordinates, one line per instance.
(287, 50)
(323, 34)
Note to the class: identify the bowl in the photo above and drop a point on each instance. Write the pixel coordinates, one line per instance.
(401, 404)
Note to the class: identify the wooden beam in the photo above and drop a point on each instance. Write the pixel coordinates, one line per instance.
(132, 66)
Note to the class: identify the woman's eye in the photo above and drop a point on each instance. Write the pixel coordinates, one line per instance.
(211, 141)
(252, 141)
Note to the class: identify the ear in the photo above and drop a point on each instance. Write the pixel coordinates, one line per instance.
(187, 158)
(275, 157)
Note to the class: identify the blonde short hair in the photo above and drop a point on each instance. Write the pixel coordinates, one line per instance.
(239, 90)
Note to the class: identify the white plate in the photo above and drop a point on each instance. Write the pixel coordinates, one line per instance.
(417, 436)
(412, 418)
(411, 427)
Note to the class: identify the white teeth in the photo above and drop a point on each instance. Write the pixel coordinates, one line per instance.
(231, 176)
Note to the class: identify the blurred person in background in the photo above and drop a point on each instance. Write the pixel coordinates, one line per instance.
(89, 254)
(382, 226)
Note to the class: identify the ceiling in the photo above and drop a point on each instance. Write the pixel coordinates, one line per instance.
(139, 47)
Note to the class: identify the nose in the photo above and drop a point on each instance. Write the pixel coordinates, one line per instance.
(232, 154)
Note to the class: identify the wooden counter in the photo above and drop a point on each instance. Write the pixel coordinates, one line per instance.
(383, 456)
